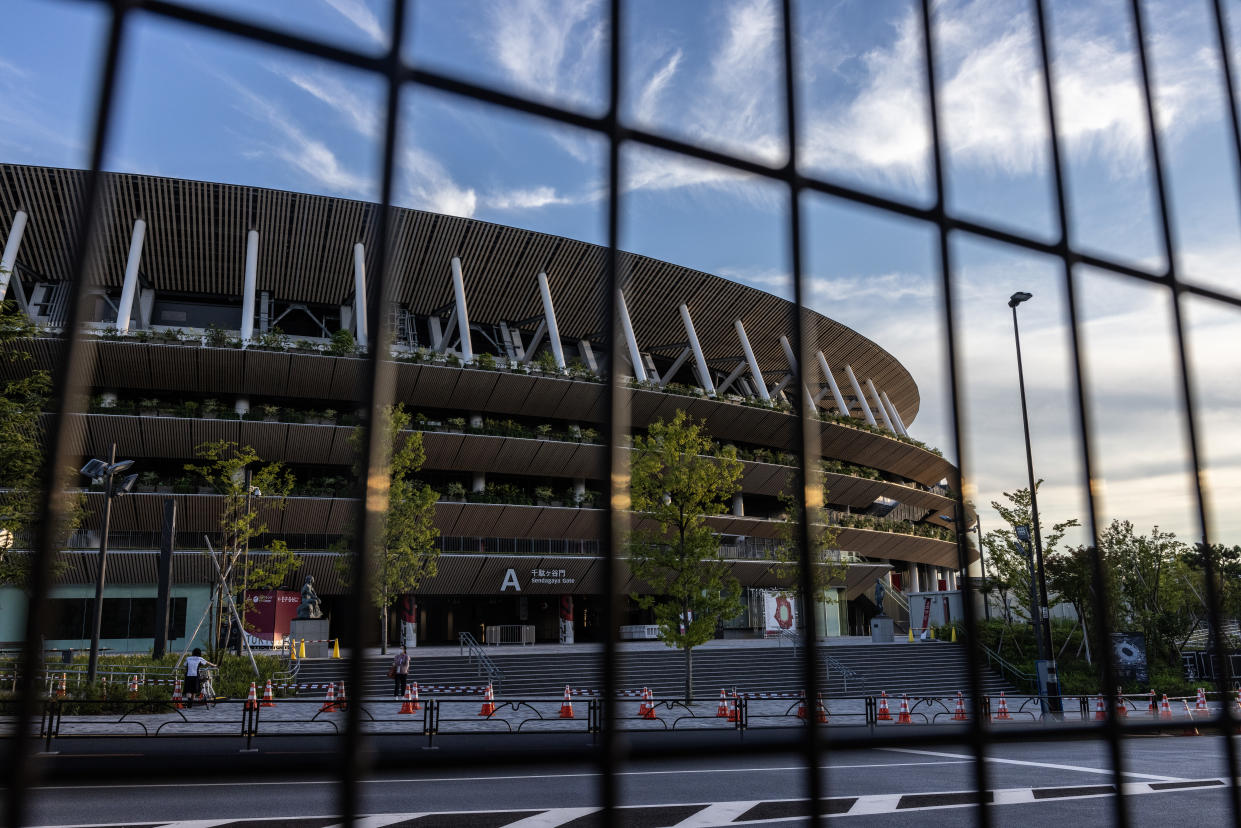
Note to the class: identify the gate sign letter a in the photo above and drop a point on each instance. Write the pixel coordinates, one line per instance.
(510, 580)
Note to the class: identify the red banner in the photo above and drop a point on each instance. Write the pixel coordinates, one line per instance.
(926, 612)
(269, 615)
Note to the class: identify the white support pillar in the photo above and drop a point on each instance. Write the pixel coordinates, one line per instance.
(759, 382)
(883, 412)
(9, 259)
(478, 481)
(130, 286)
(831, 383)
(588, 355)
(359, 294)
(437, 336)
(861, 398)
(807, 397)
(738, 505)
(635, 358)
(247, 287)
(704, 373)
(731, 378)
(463, 319)
(549, 313)
(896, 415)
(535, 340)
(242, 406)
(675, 366)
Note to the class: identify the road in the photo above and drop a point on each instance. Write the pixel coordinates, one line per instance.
(1035, 783)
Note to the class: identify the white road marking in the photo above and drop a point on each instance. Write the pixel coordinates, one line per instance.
(376, 821)
(1051, 765)
(875, 804)
(1014, 796)
(442, 779)
(719, 813)
(552, 818)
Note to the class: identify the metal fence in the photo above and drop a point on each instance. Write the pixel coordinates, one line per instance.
(398, 74)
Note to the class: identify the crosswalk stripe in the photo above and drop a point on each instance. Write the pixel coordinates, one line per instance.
(717, 813)
(552, 818)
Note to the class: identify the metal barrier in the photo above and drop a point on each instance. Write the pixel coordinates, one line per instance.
(509, 634)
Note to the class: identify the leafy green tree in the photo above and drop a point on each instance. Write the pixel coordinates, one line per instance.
(406, 553)
(674, 488)
(1227, 564)
(238, 474)
(1007, 563)
(827, 569)
(1148, 575)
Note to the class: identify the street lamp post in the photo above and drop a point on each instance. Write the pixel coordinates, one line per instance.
(1043, 623)
(98, 470)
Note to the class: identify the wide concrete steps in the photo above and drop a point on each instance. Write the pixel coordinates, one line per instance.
(921, 669)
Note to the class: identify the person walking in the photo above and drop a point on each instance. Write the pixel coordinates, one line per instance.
(193, 681)
(399, 671)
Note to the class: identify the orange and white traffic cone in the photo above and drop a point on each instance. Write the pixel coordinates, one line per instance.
(1099, 713)
(801, 706)
(566, 706)
(269, 698)
(1153, 709)
(734, 709)
(1165, 709)
(340, 698)
(1202, 699)
(489, 706)
(1001, 714)
(958, 715)
(1121, 709)
(64, 686)
(884, 714)
(407, 706)
(650, 704)
(721, 712)
(903, 717)
(133, 687)
(821, 713)
(417, 704)
(252, 699)
(329, 706)
(177, 701)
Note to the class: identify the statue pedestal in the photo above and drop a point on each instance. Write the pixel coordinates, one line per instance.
(880, 630)
(313, 632)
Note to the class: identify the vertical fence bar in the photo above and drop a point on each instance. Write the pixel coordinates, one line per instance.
(1185, 366)
(1103, 646)
(978, 739)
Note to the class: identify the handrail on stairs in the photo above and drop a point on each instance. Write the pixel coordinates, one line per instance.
(846, 672)
(485, 665)
(1006, 668)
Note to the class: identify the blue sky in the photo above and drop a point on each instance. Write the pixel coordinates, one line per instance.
(208, 107)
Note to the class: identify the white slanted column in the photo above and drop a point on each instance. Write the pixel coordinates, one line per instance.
(130, 286)
(861, 398)
(248, 286)
(831, 383)
(883, 412)
(549, 313)
(635, 358)
(9, 260)
(463, 319)
(359, 294)
(807, 397)
(749, 358)
(896, 415)
(704, 373)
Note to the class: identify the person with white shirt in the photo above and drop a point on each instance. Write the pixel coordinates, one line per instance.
(193, 681)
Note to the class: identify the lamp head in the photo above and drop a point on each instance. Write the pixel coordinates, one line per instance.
(119, 466)
(95, 469)
(125, 486)
(1019, 297)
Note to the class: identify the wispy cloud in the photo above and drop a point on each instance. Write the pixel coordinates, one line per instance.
(425, 184)
(359, 111)
(548, 48)
(360, 15)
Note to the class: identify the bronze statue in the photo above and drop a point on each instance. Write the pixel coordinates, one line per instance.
(309, 609)
(879, 591)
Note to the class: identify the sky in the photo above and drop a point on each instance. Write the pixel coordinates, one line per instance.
(202, 106)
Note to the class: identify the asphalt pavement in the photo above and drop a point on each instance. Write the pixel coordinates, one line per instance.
(1168, 780)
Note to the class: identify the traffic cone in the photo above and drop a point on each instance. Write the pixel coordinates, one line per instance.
(642, 703)
(293, 650)
(178, 701)
(1154, 708)
(1002, 713)
(417, 704)
(329, 706)
(911, 635)
(335, 648)
(931, 633)
(269, 698)
(407, 706)
(822, 711)
(958, 715)
(954, 635)
(1121, 710)
(1165, 709)
(63, 690)
(1202, 699)
(801, 706)
(133, 687)
(252, 699)
(489, 707)
(903, 717)
(340, 698)
(301, 649)
(884, 715)
(734, 711)
(1099, 713)
(721, 712)
(650, 704)
(566, 706)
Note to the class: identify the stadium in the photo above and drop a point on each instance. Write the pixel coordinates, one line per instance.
(216, 316)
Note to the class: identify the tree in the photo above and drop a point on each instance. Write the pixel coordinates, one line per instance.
(674, 488)
(406, 550)
(1227, 563)
(1009, 566)
(1147, 576)
(827, 567)
(237, 473)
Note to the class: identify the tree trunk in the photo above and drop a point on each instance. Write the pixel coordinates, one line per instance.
(689, 673)
(383, 621)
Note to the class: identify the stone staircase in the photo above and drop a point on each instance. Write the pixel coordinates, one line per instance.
(921, 669)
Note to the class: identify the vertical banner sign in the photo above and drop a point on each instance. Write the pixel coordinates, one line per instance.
(926, 614)
(407, 614)
(779, 614)
(268, 619)
(566, 619)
